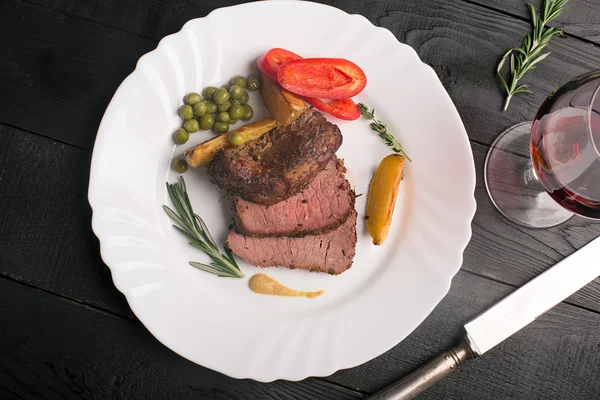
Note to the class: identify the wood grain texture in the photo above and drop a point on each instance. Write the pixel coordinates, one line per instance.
(442, 31)
(58, 73)
(76, 271)
(498, 249)
(460, 40)
(64, 350)
(46, 239)
(157, 18)
(580, 18)
(556, 357)
(509, 253)
(152, 19)
(62, 61)
(463, 42)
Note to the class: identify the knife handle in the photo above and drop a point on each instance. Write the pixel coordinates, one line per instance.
(429, 374)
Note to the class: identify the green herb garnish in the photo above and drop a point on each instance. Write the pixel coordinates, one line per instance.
(382, 130)
(192, 227)
(525, 58)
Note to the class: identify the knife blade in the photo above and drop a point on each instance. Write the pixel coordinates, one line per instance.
(503, 319)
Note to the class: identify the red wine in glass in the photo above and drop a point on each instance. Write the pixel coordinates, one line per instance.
(564, 145)
(540, 174)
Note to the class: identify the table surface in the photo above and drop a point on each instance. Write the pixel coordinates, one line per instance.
(67, 333)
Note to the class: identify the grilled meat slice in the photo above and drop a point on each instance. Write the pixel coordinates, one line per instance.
(280, 163)
(330, 252)
(323, 205)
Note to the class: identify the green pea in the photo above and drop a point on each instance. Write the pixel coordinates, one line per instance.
(191, 125)
(248, 113)
(221, 127)
(224, 116)
(180, 166)
(193, 98)
(224, 107)
(200, 108)
(244, 98)
(235, 102)
(207, 121)
(236, 92)
(238, 80)
(226, 87)
(233, 121)
(236, 111)
(211, 107)
(221, 96)
(181, 136)
(236, 138)
(209, 91)
(186, 112)
(252, 83)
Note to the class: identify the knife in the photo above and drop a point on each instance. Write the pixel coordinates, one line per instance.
(503, 319)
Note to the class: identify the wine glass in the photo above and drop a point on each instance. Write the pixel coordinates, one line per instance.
(540, 174)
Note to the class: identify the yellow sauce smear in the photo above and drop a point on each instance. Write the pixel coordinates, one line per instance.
(263, 284)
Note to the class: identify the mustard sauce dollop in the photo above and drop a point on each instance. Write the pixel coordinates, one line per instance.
(263, 284)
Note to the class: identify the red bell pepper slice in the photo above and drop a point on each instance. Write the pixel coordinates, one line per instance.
(324, 78)
(340, 108)
(269, 63)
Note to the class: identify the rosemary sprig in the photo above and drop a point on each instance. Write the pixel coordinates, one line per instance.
(193, 228)
(525, 58)
(382, 130)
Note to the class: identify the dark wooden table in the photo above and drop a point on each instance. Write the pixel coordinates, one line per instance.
(67, 333)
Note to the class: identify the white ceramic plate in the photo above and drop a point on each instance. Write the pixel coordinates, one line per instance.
(218, 322)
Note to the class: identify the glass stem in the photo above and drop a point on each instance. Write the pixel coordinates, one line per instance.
(530, 178)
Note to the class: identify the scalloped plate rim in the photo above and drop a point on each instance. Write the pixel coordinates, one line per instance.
(466, 232)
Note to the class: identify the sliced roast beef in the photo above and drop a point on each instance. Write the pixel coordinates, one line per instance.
(330, 252)
(323, 205)
(280, 163)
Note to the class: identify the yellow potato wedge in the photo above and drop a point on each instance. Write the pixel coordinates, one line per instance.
(382, 197)
(284, 106)
(201, 155)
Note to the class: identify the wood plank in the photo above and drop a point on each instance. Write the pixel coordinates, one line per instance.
(158, 19)
(57, 171)
(13, 82)
(555, 357)
(45, 221)
(58, 73)
(460, 40)
(64, 350)
(512, 254)
(422, 25)
(419, 13)
(57, 177)
(152, 19)
(579, 18)
(463, 42)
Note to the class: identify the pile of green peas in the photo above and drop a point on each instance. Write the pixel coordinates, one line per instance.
(218, 108)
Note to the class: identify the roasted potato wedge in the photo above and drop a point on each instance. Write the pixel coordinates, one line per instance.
(201, 155)
(382, 197)
(284, 106)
